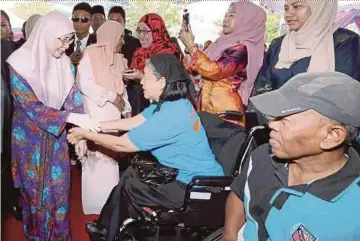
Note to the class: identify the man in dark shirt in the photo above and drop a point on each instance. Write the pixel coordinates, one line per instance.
(7, 186)
(305, 184)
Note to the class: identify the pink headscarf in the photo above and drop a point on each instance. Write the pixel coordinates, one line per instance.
(50, 78)
(249, 29)
(108, 65)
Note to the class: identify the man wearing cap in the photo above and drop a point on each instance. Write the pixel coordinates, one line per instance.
(305, 184)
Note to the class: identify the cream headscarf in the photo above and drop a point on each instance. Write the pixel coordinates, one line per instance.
(50, 78)
(30, 23)
(108, 65)
(315, 39)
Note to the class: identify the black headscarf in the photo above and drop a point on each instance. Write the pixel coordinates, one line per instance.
(169, 67)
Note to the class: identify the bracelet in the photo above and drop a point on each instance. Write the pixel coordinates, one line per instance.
(188, 50)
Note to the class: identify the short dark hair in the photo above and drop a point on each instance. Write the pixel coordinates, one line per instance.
(82, 6)
(3, 13)
(117, 9)
(172, 91)
(98, 9)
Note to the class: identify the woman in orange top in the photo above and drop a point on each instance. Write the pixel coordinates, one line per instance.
(229, 66)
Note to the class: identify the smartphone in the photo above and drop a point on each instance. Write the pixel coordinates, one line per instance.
(186, 20)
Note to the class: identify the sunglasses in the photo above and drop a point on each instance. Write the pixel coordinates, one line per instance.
(83, 20)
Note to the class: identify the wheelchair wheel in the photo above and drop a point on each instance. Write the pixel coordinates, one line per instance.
(128, 234)
(215, 236)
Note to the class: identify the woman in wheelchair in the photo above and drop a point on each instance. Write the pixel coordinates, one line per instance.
(170, 129)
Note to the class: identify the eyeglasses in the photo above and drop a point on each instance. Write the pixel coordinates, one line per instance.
(144, 32)
(98, 19)
(83, 20)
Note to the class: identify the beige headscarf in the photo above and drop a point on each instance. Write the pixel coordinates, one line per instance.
(315, 39)
(30, 23)
(50, 78)
(108, 65)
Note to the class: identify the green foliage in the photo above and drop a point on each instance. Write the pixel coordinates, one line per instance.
(27, 8)
(167, 9)
(272, 26)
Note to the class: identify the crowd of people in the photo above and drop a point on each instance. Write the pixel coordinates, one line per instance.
(74, 97)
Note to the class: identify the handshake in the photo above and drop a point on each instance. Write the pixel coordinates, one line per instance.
(84, 121)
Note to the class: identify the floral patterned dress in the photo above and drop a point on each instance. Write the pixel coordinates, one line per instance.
(220, 79)
(40, 161)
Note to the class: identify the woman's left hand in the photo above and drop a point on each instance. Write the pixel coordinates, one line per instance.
(187, 37)
(133, 74)
(76, 135)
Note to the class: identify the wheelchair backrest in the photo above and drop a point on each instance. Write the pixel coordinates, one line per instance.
(230, 143)
(225, 139)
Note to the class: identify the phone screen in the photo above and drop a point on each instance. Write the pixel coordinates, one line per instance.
(186, 19)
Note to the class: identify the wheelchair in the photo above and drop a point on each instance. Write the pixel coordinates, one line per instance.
(202, 214)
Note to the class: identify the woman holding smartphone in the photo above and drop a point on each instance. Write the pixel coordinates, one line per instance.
(229, 66)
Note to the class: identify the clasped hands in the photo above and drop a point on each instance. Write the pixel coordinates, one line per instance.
(85, 124)
(77, 135)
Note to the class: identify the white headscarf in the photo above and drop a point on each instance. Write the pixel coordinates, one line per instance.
(315, 39)
(50, 78)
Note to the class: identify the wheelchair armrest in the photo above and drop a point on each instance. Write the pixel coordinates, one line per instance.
(206, 181)
(230, 113)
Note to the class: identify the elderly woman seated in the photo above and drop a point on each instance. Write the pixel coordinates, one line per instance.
(170, 128)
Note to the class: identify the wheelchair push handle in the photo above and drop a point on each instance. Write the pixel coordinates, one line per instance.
(230, 113)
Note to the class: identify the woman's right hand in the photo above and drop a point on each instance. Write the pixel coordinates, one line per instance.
(84, 121)
(186, 37)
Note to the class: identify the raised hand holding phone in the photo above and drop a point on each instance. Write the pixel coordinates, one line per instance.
(186, 20)
(186, 35)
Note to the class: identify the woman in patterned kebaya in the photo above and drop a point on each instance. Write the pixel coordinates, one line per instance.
(230, 65)
(45, 99)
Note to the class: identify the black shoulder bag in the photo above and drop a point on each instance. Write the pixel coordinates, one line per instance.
(151, 172)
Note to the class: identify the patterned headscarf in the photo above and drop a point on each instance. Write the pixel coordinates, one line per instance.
(161, 42)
